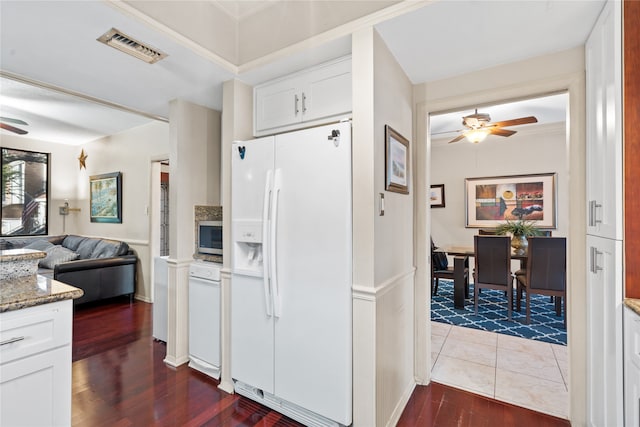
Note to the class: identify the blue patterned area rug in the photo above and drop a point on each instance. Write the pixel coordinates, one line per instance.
(492, 314)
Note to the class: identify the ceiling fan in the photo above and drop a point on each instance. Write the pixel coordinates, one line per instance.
(479, 126)
(4, 125)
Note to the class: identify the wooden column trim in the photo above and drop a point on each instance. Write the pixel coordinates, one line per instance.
(631, 122)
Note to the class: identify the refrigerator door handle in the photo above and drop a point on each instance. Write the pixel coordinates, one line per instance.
(265, 242)
(273, 240)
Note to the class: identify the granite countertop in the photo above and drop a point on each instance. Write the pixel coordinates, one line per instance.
(29, 291)
(633, 304)
(9, 255)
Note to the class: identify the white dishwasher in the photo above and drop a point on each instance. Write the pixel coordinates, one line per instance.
(204, 317)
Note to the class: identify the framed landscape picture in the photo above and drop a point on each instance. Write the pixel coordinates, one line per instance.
(396, 161)
(493, 200)
(436, 196)
(106, 197)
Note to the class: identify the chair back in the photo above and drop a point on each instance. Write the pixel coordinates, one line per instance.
(547, 263)
(487, 232)
(493, 259)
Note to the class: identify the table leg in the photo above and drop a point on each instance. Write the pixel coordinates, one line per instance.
(459, 282)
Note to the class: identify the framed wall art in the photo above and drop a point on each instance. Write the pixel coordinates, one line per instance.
(396, 161)
(436, 196)
(106, 197)
(493, 200)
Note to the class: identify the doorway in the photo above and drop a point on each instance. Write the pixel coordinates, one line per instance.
(472, 165)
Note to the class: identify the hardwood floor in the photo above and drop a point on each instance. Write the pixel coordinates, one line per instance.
(119, 379)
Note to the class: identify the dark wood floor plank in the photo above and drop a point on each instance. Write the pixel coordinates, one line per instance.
(120, 379)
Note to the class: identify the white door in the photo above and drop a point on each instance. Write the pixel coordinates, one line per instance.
(313, 313)
(604, 332)
(603, 56)
(327, 92)
(278, 104)
(632, 368)
(204, 320)
(251, 316)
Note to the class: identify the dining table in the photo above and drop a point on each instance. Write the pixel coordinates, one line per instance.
(461, 255)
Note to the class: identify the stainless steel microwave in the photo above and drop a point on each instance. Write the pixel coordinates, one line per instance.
(210, 237)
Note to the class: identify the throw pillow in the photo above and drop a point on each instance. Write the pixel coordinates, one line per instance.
(105, 249)
(39, 245)
(57, 255)
(72, 242)
(85, 248)
(439, 260)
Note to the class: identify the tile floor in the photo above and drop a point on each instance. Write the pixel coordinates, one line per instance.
(527, 373)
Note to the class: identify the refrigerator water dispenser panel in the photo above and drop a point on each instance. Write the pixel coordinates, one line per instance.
(247, 248)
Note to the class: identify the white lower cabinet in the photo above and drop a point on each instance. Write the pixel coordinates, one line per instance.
(632, 368)
(604, 333)
(35, 365)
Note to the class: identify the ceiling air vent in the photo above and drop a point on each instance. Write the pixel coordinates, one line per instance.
(118, 40)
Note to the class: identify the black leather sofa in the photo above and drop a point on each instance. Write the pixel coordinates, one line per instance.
(102, 268)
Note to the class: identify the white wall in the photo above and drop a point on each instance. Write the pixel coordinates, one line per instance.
(194, 149)
(526, 152)
(383, 313)
(128, 152)
(393, 249)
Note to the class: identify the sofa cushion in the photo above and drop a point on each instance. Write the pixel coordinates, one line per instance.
(57, 255)
(39, 245)
(72, 242)
(109, 248)
(57, 240)
(85, 248)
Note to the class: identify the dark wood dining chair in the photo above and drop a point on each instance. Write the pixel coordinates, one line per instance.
(493, 267)
(546, 273)
(440, 269)
(487, 231)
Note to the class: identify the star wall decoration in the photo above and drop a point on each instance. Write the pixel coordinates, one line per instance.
(82, 158)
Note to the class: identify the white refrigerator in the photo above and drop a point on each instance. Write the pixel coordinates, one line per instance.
(292, 273)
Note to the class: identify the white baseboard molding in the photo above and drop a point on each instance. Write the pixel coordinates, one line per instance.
(402, 403)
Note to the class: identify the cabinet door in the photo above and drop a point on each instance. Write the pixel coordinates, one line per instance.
(603, 56)
(632, 368)
(36, 390)
(604, 332)
(327, 92)
(277, 104)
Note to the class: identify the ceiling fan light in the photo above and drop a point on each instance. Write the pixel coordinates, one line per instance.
(477, 135)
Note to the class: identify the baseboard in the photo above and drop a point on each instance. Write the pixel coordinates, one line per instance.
(402, 403)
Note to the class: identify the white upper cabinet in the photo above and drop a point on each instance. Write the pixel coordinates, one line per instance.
(311, 97)
(603, 58)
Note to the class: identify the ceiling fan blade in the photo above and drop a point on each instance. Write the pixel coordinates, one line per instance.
(14, 121)
(448, 131)
(515, 122)
(13, 129)
(456, 139)
(502, 132)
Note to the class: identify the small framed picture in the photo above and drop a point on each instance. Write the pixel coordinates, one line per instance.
(436, 196)
(396, 161)
(106, 197)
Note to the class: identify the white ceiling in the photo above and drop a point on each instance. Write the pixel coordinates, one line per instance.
(55, 42)
(546, 109)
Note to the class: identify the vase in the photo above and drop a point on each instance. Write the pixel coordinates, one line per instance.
(519, 244)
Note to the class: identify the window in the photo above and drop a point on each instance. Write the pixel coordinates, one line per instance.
(25, 192)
